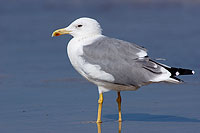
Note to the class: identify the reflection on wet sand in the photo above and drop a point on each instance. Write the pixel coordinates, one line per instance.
(99, 127)
(120, 127)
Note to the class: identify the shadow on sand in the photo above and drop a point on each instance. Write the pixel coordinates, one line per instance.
(150, 118)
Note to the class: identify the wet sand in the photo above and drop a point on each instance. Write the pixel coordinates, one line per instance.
(41, 92)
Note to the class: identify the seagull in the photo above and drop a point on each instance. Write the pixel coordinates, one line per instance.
(113, 64)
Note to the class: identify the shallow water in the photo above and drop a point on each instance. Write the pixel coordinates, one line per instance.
(41, 92)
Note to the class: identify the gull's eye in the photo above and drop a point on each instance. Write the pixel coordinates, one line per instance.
(79, 25)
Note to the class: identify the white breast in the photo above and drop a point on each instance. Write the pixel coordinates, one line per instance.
(89, 71)
(75, 50)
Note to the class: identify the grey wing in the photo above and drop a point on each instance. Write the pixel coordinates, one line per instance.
(122, 60)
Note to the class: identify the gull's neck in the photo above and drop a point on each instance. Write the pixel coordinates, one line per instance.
(88, 37)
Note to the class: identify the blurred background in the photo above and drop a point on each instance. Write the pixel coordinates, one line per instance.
(41, 92)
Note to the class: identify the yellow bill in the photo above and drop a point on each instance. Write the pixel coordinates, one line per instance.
(60, 32)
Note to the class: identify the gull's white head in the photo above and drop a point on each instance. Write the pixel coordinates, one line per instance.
(82, 27)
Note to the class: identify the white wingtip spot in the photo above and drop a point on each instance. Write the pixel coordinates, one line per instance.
(193, 72)
(177, 73)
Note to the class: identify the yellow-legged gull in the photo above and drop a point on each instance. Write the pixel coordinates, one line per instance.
(113, 64)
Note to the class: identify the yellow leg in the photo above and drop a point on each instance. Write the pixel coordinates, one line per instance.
(100, 102)
(119, 106)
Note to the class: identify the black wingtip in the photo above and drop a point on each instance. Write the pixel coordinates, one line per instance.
(180, 71)
(179, 80)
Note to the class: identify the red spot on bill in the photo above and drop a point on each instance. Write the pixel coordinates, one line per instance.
(57, 34)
